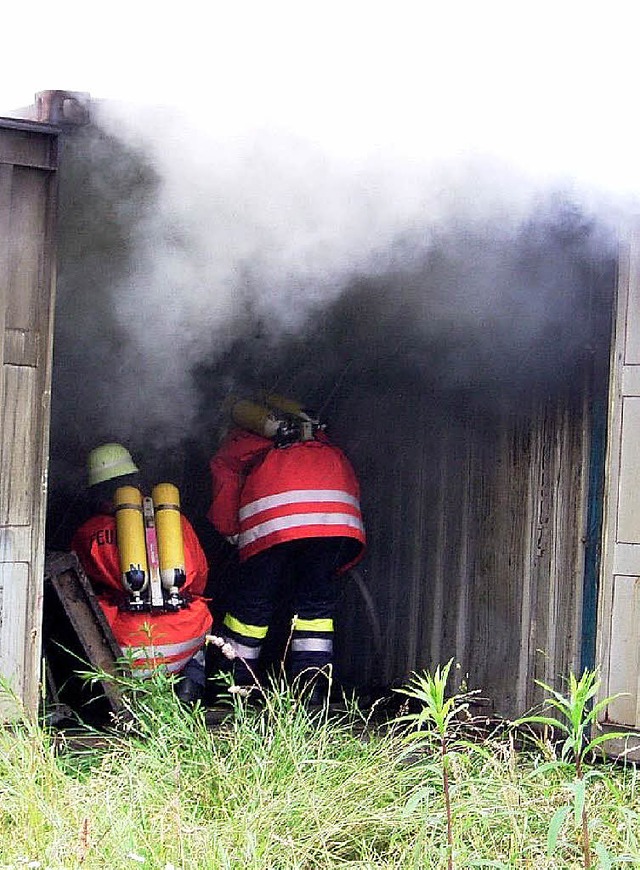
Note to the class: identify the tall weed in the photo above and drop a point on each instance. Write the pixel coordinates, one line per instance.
(576, 719)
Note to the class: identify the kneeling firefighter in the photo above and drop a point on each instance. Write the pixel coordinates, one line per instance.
(290, 500)
(148, 570)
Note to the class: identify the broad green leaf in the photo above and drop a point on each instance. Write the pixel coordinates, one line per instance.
(541, 720)
(555, 824)
(602, 738)
(546, 767)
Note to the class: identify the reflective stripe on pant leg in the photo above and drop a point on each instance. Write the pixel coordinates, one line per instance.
(311, 644)
(246, 641)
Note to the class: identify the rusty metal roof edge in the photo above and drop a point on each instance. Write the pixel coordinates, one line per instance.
(28, 126)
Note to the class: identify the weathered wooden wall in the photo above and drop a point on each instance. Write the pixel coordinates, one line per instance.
(28, 163)
(477, 553)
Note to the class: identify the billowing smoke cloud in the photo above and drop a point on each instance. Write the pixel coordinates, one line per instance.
(193, 267)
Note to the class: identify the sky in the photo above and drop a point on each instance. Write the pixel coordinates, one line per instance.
(548, 87)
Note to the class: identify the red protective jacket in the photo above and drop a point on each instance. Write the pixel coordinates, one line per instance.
(268, 495)
(147, 639)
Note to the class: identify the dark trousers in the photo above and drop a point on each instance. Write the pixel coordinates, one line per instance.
(304, 572)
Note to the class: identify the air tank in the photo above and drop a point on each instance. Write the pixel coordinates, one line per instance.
(131, 544)
(256, 418)
(166, 501)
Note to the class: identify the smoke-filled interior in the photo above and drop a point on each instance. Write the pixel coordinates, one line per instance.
(423, 341)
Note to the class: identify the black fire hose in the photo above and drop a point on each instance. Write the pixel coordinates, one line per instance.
(372, 613)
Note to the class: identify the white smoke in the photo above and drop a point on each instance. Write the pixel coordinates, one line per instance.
(273, 225)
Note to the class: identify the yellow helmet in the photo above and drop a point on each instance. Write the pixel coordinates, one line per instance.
(109, 461)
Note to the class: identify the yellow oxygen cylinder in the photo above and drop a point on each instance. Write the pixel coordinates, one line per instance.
(256, 418)
(166, 501)
(131, 544)
(289, 406)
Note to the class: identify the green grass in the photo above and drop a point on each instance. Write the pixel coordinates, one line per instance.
(278, 788)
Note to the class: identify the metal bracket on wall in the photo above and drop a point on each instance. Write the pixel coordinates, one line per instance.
(68, 580)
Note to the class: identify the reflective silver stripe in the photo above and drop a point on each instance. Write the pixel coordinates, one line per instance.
(296, 521)
(296, 496)
(166, 649)
(312, 644)
(178, 664)
(244, 652)
(139, 671)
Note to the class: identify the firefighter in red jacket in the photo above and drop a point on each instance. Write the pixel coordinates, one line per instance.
(290, 500)
(170, 634)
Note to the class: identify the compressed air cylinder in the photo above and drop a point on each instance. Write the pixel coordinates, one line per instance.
(256, 418)
(289, 406)
(131, 543)
(166, 501)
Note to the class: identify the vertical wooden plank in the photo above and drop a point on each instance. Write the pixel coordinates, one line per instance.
(527, 615)
(45, 320)
(26, 249)
(6, 173)
(13, 591)
(629, 482)
(556, 541)
(631, 350)
(394, 529)
(464, 580)
(625, 650)
(436, 578)
(587, 442)
(415, 566)
(18, 449)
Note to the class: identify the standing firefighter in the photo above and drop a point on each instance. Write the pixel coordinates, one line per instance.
(148, 570)
(289, 498)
